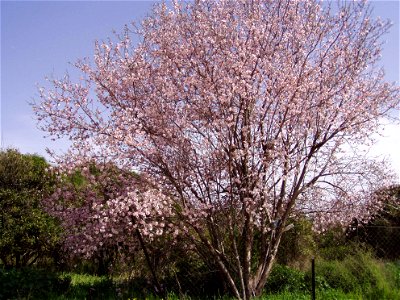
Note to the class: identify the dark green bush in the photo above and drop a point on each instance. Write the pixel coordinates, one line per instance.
(297, 246)
(283, 278)
(28, 235)
(31, 283)
(333, 244)
(187, 274)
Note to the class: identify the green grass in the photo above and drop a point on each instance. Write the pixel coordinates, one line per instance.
(329, 294)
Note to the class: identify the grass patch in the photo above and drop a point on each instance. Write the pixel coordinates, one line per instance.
(85, 286)
(326, 295)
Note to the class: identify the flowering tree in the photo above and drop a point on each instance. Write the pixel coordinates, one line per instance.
(243, 112)
(102, 206)
(104, 210)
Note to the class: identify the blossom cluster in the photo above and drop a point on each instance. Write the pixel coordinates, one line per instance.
(103, 207)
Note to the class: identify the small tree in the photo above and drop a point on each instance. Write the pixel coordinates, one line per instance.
(107, 213)
(27, 233)
(241, 111)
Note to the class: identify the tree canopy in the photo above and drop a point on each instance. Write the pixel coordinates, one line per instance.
(240, 112)
(26, 231)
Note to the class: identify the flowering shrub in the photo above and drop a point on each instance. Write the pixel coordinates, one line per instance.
(102, 207)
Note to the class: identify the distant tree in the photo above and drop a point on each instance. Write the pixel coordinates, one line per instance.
(242, 112)
(27, 233)
(382, 230)
(389, 214)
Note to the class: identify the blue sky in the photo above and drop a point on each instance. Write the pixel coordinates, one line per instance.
(40, 38)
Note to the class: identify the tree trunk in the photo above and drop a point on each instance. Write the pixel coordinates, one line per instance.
(261, 284)
(248, 236)
(260, 278)
(159, 289)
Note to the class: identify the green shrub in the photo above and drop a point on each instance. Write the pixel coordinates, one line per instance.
(333, 244)
(297, 246)
(31, 283)
(336, 275)
(283, 278)
(28, 235)
(360, 273)
(326, 295)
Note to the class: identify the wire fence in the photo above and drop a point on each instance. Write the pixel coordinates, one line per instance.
(185, 272)
(383, 240)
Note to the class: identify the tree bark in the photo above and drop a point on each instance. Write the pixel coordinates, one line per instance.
(262, 277)
(248, 242)
(159, 289)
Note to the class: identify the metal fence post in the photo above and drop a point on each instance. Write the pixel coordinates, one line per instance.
(313, 278)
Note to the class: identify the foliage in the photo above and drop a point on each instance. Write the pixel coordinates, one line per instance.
(27, 233)
(298, 245)
(240, 113)
(283, 278)
(30, 283)
(334, 244)
(185, 273)
(382, 231)
(359, 272)
(330, 294)
(393, 269)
